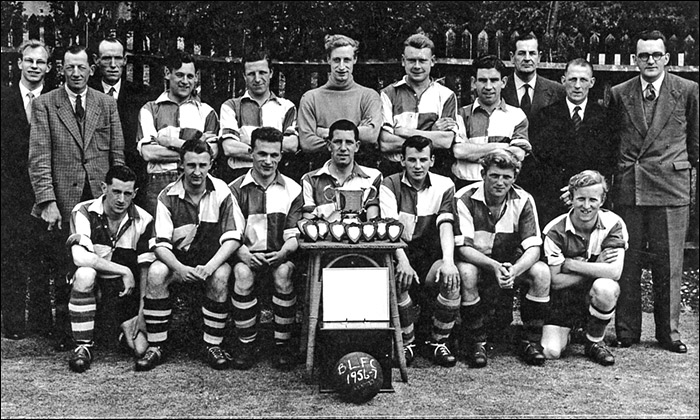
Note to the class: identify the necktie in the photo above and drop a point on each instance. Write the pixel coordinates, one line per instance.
(650, 93)
(28, 110)
(576, 119)
(79, 113)
(525, 100)
(112, 92)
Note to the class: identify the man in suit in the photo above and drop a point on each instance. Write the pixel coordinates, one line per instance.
(526, 89)
(17, 197)
(656, 116)
(567, 137)
(110, 62)
(75, 137)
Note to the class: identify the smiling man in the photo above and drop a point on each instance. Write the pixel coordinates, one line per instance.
(417, 105)
(340, 98)
(271, 206)
(585, 251)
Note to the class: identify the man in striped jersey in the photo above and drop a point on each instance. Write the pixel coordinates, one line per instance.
(416, 105)
(257, 107)
(585, 250)
(499, 245)
(271, 205)
(424, 203)
(195, 234)
(108, 243)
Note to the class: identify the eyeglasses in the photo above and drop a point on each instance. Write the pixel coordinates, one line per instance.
(645, 56)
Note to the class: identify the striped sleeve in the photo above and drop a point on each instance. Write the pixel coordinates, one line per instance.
(145, 254)
(617, 237)
(552, 251)
(80, 228)
(377, 184)
(163, 228)
(289, 125)
(387, 113)
(520, 137)
(231, 219)
(465, 236)
(446, 211)
(308, 194)
(147, 131)
(229, 123)
(291, 230)
(528, 225)
(388, 204)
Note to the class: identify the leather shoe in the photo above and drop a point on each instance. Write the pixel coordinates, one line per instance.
(676, 347)
(216, 357)
(151, 359)
(625, 342)
(245, 356)
(409, 354)
(532, 353)
(477, 355)
(285, 359)
(80, 358)
(599, 353)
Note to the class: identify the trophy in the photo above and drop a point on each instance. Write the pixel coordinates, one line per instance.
(350, 202)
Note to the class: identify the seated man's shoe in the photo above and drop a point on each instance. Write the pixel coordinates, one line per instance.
(216, 357)
(532, 353)
(440, 354)
(599, 353)
(676, 347)
(244, 358)
(477, 355)
(152, 358)
(624, 342)
(285, 358)
(409, 353)
(80, 358)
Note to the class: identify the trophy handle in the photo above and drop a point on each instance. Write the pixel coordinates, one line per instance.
(371, 194)
(332, 191)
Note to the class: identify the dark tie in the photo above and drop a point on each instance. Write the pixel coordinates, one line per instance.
(576, 119)
(525, 100)
(111, 92)
(30, 95)
(650, 94)
(79, 110)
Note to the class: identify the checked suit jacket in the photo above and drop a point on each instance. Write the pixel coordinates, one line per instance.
(546, 92)
(60, 158)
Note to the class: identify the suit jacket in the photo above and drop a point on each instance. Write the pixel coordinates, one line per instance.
(129, 102)
(60, 158)
(653, 166)
(559, 151)
(546, 92)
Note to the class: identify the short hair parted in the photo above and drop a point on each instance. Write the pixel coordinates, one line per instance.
(76, 49)
(651, 36)
(33, 43)
(501, 158)
(255, 55)
(581, 62)
(343, 125)
(490, 62)
(268, 134)
(418, 143)
(196, 146)
(419, 41)
(120, 172)
(524, 37)
(336, 41)
(586, 179)
(176, 60)
(111, 40)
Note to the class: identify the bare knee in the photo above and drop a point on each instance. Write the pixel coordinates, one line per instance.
(84, 279)
(158, 278)
(244, 279)
(541, 279)
(469, 276)
(282, 277)
(604, 293)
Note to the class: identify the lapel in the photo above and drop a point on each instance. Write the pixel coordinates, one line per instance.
(541, 95)
(632, 99)
(668, 97)
(16, 103)
(508, 94)
(92, 115)
(67, 115)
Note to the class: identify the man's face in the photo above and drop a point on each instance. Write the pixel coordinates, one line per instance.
(586, 202)
(257, 77)
(488, 84)
(651, 68)
(76, 71)
(266, 158)
(195, 169)
(111, 61)
(417, 163)
(526, 56)
(342, 60)
(34, 64)
(417, 63)
(497, 182)
(182, 81)
(118, 196)
(343, 147)
(577, 81)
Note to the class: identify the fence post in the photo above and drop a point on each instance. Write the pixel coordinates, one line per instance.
(594, 44)
(626, 49)
(673, 50)
(482, 43)
(610, 48)
(500, 48)
(467, 43)
(689, 49)
(450, 41)
(33, 27)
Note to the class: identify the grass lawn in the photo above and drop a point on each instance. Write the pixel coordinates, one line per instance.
(645, 381)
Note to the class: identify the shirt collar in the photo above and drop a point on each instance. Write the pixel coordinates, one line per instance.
(272, 97)
(356, 170)
(582, 105)
(426, 185)
(179, 188)
(23, 90)
(501, 105)
(72, 95)
(570, 225)
(117, 87)
(403, 82)
(97, 206)
(656, 84)
(164, 98)
(248, 179)
(519, 82)
(480, 195)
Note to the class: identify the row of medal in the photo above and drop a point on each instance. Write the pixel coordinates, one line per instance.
(353, 232)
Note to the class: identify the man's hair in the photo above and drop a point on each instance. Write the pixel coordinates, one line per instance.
(419, 41)
(176, 60)
(255, 55)
(343, 125)
(196, 146)
(33, 43)
(111, 40)
(76, 49)
(120, 172)
(586, 179)
(336, 41)
(502, 159)
(651, 36)
(524, 37)
(268, 134)
(581, 62)
(489, 62)
(418, 143)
